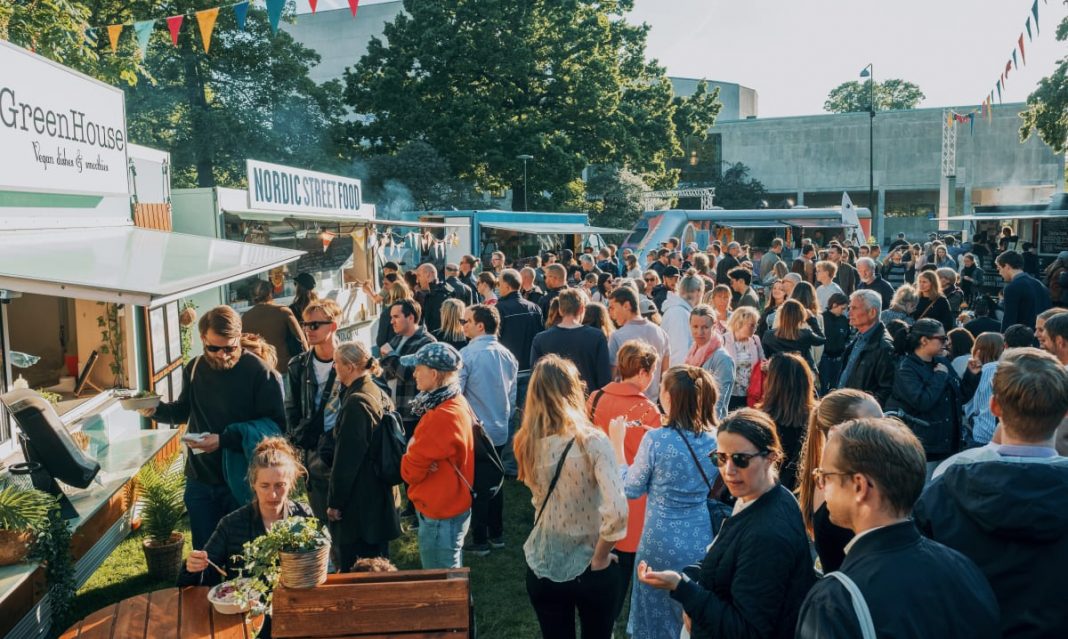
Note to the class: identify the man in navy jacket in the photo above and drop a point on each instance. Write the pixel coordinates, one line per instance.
(871, 473)
(1025, 297)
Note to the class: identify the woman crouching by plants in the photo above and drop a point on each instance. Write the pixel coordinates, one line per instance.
(272, 472)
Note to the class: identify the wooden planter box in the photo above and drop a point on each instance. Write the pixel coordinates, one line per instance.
(423, 604)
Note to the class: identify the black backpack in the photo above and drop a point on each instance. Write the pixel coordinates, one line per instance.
(489, 469)
(388, 445)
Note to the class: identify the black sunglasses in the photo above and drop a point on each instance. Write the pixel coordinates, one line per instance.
(314, 326)
(740, 460)
(215, 349)
(463, 322)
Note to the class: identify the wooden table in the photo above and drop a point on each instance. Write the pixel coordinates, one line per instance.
(164, 614)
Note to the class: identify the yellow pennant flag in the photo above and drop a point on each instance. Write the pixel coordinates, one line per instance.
(206, 19)
(113, 34)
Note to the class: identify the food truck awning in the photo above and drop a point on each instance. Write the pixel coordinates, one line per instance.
(997, 217)
(127, 264)
(535, 228)
(751, 224)
(279, 216)
(829, 223)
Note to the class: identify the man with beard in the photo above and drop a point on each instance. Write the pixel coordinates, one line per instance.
(223, 386)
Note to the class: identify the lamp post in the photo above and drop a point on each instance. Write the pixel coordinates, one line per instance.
(524, 157)
(876, 225)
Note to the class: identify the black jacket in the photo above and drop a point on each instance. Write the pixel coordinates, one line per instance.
(932, 397)
(392, 370)
(847, 278)
(431, 300)
(1011, 519)
(366, 504)
(725, 266)
(461, 291)
(836, 329)
(753, 579)
(880, 286)
(547, 299)
(914, 588)
(802, 345)
(874, 372)
(471, 282)
(228, 539)
(1025, 298)
(520, 322)
(304, 418)
(213, 399)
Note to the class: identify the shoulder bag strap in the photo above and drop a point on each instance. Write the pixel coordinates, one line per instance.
(556, 478)
(597, 395)
(695, 460)
(860, 606)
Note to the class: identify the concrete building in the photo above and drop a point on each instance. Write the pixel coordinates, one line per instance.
(739, 102)
(813, 159)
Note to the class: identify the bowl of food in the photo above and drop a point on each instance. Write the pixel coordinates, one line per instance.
(140, 401)
(231, 597)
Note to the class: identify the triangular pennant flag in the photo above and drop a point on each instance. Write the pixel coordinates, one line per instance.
(114, 31)
(274, 13)
(174, 24)
(241, 14)
(1034, 12)
(206, 19)
(1008, 67)
(1023, 55)
(90, 36)
(1015, 64)
(312, 3)
(354, 5)
(999, 91)
(1028, 25)
(143, 30)
(971, 123)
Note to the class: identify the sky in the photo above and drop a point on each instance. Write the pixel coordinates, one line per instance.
(793, 52)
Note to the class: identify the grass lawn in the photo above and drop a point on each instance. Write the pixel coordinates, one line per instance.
(498, 581)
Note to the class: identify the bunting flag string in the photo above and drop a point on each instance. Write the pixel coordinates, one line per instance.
(1014, 62)
(1023, 55)
(206, 20)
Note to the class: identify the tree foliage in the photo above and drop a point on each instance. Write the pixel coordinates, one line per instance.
(616, 198)
(484, 81)
(736, 190)
(1047, 106)
(414, 177)
(891, 95)
(695, 115)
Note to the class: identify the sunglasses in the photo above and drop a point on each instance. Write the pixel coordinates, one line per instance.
(740, 460)
(820, 476)
(314, 326)
(941, 338)
(650, 279)
(226, 349)
(463, 322)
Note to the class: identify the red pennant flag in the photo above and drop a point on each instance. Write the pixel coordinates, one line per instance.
(174, 24)
(1008, 67)
(312, 4)
(354, 5)
(1022, 54)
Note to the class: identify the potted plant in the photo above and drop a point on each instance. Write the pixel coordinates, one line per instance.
(22, 514)
(294, 552)
(161, 487)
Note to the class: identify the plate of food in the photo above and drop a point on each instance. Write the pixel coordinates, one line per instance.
(231, 597)
(140, 401)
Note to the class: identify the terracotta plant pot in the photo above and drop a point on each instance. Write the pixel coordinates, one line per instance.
(164, 560)
(14, 546)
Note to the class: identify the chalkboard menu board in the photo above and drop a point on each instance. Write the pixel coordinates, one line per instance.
(1053, 236)
(317, 261)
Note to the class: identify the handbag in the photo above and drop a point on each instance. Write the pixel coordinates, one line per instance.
(755, 393)
(718, 512)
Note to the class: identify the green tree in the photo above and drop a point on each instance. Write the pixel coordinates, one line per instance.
(484, 81)
(695, 115)
(891, 95)
(736, 190)
(615, 197)
(1047, 106)
(415, 176)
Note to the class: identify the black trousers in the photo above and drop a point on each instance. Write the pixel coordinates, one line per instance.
(626, 574)
(591, 594)
(487, 514)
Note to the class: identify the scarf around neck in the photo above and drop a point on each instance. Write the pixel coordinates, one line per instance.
(429, 400)
(698, 355)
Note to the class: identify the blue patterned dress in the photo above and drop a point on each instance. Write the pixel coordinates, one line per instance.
(677, 530)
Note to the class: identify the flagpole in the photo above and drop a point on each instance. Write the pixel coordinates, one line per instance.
(876, 225)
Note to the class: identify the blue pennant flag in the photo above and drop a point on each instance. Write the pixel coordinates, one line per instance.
(1034, 12)
(1028, 25)
(143, 30)
(241, 13)
(274, 13)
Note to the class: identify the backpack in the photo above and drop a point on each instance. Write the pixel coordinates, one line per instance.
(388, 445)
(489, 469)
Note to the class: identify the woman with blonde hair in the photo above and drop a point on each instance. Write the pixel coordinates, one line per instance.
(743, 345)
(793, 333)
(580, 510)
(451, 332)
(932, 302)
(273, 471)
(835, 408)
(596, 315)
(360, 508)
(902, 305)
(673, 467)
(707, 352)
(391, 294)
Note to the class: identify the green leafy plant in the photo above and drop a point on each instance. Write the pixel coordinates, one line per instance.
(24, 509)
(161, 486)
(52, 398)
(114, 340)
(260, 557)
(187, 318)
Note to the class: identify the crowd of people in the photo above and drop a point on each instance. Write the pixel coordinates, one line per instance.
(834, 445)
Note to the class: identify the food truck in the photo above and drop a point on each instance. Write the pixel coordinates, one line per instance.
(756, 227)
(518, 234)
(1043, 224)
(90, 282)
(320, 214)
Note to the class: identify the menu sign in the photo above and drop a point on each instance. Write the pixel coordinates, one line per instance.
(60, 131)
(1053, 236)
(273, 187)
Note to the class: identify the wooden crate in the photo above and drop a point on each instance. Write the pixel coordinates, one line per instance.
(410, 604)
